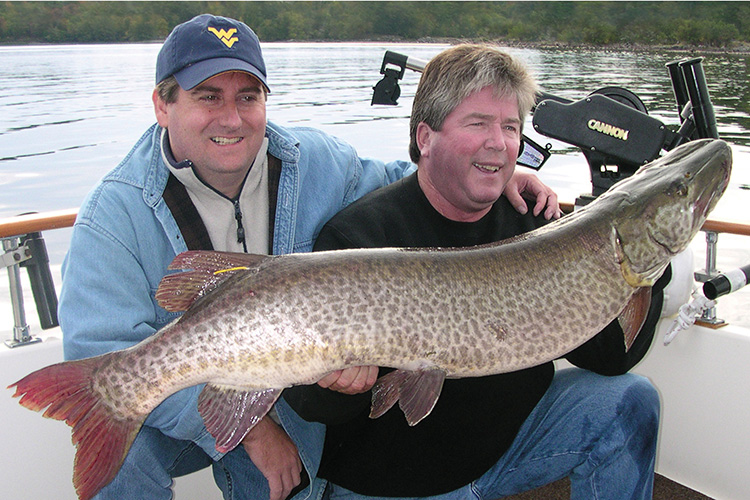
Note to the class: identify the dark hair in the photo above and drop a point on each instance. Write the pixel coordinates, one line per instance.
(167, 89)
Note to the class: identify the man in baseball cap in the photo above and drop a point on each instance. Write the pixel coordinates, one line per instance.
(207, 176)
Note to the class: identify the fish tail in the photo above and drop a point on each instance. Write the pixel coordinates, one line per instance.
(102, 439)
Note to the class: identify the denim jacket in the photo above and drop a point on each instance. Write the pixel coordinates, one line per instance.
(125, 237)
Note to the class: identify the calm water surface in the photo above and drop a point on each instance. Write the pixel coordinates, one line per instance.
(70, 113)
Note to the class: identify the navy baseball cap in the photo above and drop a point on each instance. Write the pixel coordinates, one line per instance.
(206, 46)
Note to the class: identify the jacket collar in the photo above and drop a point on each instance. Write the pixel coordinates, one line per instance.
(281, 143)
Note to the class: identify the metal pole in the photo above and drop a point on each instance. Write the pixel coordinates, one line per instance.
(709, 315)
(21, 334)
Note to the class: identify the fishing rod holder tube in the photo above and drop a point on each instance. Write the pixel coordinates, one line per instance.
(703, 110)
(678, 87)
(725, 283)
(40, 277)
(694, 107)
(29, 251)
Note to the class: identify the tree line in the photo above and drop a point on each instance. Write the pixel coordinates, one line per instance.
(708, 23)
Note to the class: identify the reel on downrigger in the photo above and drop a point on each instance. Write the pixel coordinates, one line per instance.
(611, 126)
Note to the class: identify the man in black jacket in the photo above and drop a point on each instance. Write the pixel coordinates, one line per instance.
(497, 435)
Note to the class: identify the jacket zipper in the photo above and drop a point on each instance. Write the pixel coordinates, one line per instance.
(240, 228)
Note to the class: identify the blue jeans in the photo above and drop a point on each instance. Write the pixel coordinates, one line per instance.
(600, 431)
(154, 459)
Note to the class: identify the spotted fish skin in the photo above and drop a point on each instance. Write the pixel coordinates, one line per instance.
(470, 312)
(255, 325)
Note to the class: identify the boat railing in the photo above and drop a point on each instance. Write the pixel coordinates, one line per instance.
(713, 228)
(23, 246)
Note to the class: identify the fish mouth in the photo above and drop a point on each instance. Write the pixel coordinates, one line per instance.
(226, 141)
(698, 209)
(487, 168)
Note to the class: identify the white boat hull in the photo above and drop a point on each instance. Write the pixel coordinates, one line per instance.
(38, 452)
(703, 378)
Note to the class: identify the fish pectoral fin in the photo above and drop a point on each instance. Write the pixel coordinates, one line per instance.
(229, 413)
(208, 269)
(634, 314)
(385, 392)
(417, 393)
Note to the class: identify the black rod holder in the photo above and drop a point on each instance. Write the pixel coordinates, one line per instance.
(678, 87)
(703, 110)
(42, 285)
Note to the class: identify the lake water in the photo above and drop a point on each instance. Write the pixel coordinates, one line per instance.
(68, 114)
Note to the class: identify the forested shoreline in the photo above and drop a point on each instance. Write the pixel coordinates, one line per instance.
(718, 25)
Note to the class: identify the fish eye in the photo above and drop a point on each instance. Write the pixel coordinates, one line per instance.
(678, 188)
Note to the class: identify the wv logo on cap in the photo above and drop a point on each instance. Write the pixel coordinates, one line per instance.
(225, 36)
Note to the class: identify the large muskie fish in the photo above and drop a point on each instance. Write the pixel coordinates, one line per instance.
(257, 324)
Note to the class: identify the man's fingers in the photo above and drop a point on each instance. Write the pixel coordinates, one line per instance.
(345, 380)
(276, 487)
(516, 199)
(357, 380)
(552, 207)
(327, 381)
(290, 481)
(371, 378)
(282, 485)
(353, 380)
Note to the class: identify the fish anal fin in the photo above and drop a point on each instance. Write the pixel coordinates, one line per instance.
(417, 393)
(229, 413)
(208, 269)
(634, 314)
(102, 439)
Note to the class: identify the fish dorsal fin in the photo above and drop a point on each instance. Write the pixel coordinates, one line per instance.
(230, 413)
(416, 393)
(208, 269)
(634, 314)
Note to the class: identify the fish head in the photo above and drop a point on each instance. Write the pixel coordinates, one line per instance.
(661, 208)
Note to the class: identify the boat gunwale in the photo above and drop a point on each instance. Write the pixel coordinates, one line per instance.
(36, 222)
(60, 219)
